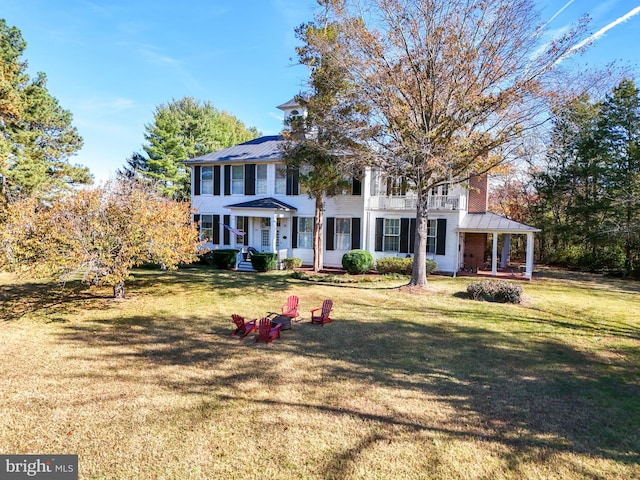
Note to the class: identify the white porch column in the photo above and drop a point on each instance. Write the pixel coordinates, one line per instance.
(273, 231)
(506, 250)
(494, 255)
(529, 268)
(232, 237)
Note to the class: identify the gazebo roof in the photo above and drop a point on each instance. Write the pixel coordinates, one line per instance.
(488, 222)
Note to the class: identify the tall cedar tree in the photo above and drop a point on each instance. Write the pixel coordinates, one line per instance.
(319, 144)
(99, 233)
(183, 129)
(449, 83)
(36, 134)
(620, 134)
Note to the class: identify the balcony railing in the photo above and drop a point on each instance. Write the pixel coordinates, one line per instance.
(408, 202)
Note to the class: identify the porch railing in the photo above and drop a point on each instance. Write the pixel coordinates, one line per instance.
(408, 202)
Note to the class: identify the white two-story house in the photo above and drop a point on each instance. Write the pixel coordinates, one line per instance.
(245, 197)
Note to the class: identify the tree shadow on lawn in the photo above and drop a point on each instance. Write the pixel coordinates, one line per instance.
(526, 393)
(44, 301)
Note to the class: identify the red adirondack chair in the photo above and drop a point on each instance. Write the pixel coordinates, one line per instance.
(267, 331)
(243, 328)
(290, 309)
(325, 310)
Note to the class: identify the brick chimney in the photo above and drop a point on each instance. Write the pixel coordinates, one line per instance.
(478, 194)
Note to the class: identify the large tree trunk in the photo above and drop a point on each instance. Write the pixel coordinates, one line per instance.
(118, 290)
(318, 220)
(419, 272)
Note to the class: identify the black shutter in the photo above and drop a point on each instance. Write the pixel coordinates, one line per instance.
(250, 179)
(225, 233)
(196, 219)
(355, 233)
(293, 178)
(379, 234)
(216, 229)
(356, 187)
(441, 236)
(294, 232)
(196, 180)
(404, 235)
(245, 228)
(227, 181)
(216, 179)
(330, 230)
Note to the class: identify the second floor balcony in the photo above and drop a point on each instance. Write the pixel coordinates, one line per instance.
(408, 202)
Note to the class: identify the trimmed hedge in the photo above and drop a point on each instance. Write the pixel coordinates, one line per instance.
(291, 263)
(357, 261)
(495, 291)
(264, 261)
(224, 258)
(402, 266)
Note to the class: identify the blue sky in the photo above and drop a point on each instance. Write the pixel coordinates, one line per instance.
(111, 63)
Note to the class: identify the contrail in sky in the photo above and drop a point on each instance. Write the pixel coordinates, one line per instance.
(559, 11)
(605, 29)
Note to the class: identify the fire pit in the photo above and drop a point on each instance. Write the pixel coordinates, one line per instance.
(282, 320)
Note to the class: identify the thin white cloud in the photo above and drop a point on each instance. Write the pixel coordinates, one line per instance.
(606, 28)
(559, 11)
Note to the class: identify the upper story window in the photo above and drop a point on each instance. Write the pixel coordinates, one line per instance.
(396, 187)
(281, 180)
(440, 190)
(261, 179)
(237, 179)
(206, 181)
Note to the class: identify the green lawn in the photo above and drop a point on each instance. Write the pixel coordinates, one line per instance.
(402, 385)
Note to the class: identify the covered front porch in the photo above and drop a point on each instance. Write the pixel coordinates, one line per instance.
(262, 225)
(473, 236)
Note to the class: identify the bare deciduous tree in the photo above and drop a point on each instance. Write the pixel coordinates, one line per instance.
(450, 83)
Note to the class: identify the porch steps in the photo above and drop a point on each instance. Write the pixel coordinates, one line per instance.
(245, 266)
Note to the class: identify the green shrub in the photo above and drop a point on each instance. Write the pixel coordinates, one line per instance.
(224, 258)
(264, 261)
(357, 261)
(432, 266)
(495, 291)
(402, 266)
(291, 263)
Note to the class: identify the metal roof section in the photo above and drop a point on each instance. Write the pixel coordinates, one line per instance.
(290, 104)
(268, 203)
(490, 222)
(262, 149)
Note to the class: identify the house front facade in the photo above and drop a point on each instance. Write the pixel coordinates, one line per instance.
(244, 197)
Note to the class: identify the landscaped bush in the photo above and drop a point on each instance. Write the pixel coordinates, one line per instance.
(206, 258)
(402, 266)
(495, 291)
(357, 261)
(224, 258)
(291, 263)
(264, 261)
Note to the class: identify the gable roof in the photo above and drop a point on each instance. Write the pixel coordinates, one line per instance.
(262, 149)
(490, 222)
(268, 203)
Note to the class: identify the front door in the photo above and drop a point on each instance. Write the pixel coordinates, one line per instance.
(282, 236)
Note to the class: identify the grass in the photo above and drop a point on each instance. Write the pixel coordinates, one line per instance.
(400, 386)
